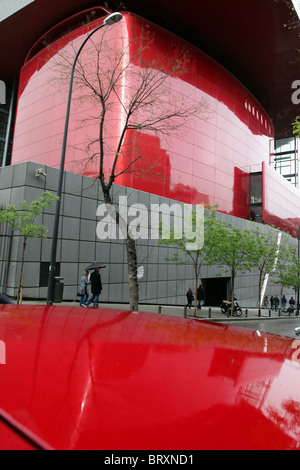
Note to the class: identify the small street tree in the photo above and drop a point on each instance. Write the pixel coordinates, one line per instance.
(128, 79)
(235, 250)
(287, 270)
(22, 218)
(197, 242)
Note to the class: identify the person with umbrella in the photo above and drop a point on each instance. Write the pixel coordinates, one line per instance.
(96, 284)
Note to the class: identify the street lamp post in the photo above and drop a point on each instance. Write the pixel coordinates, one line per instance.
(109, 20)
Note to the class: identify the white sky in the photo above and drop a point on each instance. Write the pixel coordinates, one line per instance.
(297, 6)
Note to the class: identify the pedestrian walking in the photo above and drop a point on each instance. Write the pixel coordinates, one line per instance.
(190, 297)
(276, 303)
(266, 301)
(200, 296)
(292, 302)
(96, 287)
(83, 290)
(283, 301)
(292, 305)
(272, 302)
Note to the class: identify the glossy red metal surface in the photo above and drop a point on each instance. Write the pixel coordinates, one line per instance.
(112, 379)
(208, 163)
(281, 202)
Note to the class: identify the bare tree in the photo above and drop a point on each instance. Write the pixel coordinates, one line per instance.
(133, 81)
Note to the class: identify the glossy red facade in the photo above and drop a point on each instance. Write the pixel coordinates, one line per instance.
(209, 162)
(206, 164)
(76, 378)
(280, 202)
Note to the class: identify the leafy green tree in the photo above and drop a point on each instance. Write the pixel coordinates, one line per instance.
(266, 249)
(193, 249)
(287, 270)
(22, 218)
(235, 250)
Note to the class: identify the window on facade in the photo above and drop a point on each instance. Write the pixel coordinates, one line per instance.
(256, 212)
(256, 197)
(286, 159)
(256, 188)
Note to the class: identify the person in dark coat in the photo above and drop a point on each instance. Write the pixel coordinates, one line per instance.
(96, 287)
(200, 296)
(283, 301)
(190, 297)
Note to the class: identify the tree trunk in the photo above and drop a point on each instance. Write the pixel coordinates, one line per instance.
(196, 277)
(259, 293)
(280, 304)
(20, 287)
(232, 293)
(130, 250)
(132, 273)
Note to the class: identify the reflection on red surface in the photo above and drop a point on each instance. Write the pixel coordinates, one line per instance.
(112, 379)
(208, 163)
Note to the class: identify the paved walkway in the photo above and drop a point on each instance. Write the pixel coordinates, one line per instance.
(205, 313)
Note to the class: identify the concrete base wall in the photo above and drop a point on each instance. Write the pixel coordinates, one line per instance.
(162, 282)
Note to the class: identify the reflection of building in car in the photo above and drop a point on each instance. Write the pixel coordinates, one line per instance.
(120, 380)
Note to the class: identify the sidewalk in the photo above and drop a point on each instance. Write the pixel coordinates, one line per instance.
(205, 313)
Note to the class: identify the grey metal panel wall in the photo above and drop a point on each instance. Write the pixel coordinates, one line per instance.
(162, 283)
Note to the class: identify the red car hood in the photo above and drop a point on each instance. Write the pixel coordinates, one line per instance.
(74, 378)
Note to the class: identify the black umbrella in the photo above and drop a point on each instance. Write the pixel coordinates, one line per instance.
(94, 266)
(4, 299)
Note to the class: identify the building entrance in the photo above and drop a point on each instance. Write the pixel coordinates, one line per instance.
(216, 290)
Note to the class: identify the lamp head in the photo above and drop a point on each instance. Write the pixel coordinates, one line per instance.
(113, 18)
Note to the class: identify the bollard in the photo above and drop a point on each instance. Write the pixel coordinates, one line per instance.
(270, 313)
(246, 313)
(133, 309)
(159, 309)
(209, 312)
(184, 312)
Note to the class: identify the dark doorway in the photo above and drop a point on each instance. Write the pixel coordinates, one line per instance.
(216, 290)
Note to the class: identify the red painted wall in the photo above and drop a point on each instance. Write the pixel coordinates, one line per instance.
(281, 202)
(210, 162)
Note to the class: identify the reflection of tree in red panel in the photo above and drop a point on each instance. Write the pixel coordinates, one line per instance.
(151, 168)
